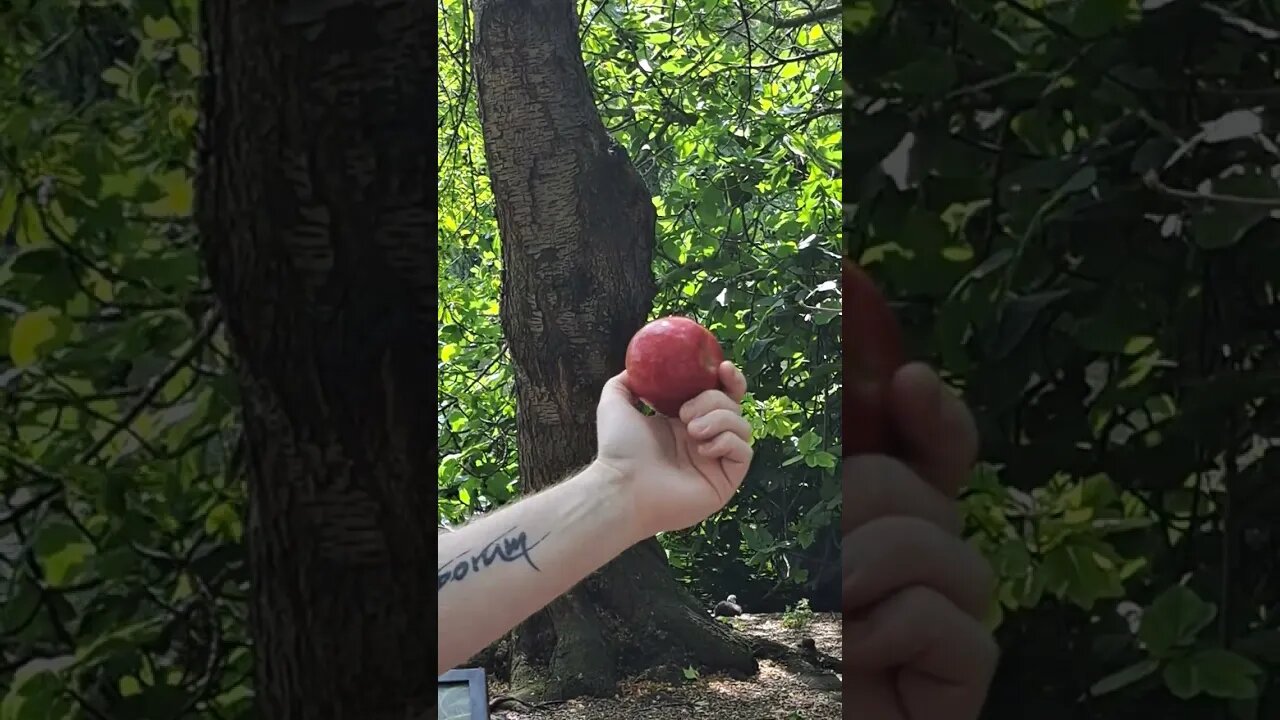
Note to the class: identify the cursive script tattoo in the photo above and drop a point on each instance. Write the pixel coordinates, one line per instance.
(508, 547)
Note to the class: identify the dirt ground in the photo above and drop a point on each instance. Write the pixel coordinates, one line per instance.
(775, 693)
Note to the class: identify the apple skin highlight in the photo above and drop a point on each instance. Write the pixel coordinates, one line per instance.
(672, 360)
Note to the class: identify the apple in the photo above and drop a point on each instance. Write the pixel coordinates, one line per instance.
(873, 352)
(671, 361)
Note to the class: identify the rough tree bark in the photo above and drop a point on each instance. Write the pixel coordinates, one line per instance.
(314, 206)
(577, 226)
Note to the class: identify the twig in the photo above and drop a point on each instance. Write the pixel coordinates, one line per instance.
(42, 498)
(154, 386)
(33, 470)
(214, 658)
(803, 57)
(1153, 181)
(819, 15)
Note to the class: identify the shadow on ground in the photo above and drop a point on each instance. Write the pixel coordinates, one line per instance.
(780, 691)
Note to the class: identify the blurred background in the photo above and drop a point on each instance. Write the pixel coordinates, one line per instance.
(1074, 205)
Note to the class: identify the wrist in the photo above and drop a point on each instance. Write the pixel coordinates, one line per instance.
(613, 487)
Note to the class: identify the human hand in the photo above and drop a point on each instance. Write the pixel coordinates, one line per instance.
(677, 471)
(914, 591)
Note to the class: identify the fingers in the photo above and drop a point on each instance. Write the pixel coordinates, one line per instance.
(914, 592)
(878, 486)
(947, 658)
(892, 553)
(720, 420)
(733, 381)
(717, 428)
(870, 695)
(707, 402)
(936, 426)
(727, 447)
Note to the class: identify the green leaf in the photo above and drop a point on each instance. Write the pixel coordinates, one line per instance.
(37, 261)
(1012, 560)
(177, 198)
(189, 56)
(1181, 679)
(35, 334)
(1076, 571)
(1016, 319)
(116, 76)
(165, 28)
(224, 521)
(22, 601)
(1124, 678)
(1093, 18)
(1080, 180)
(931, 75)
(1214, 671)
(1222, 224)
(121, 639)
(822, 459)
(62, 550)
(808, 442)
(1174, 620)
(858, 16)
(1225, 674)
(37, 692)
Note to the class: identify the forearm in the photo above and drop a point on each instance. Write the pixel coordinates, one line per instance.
(497, 571)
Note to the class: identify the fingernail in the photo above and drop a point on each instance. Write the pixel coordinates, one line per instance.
(697, 426)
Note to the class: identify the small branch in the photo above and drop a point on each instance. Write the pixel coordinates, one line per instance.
(1153, 181)
(1230, 536)
(214, 659)
(787, 61)
(819, 15)
(154, 386)
(44, 497)
(33, 470)
(87, 706)
(813, 115)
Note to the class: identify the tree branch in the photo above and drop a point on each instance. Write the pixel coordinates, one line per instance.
(154, 386)
(819, 15)
(1153, 181)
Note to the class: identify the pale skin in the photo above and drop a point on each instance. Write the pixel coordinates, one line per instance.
(651, 474)
(914, 592)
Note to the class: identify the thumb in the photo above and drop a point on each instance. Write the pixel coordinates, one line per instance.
(732, 381)
(617, 391)
(937, 427)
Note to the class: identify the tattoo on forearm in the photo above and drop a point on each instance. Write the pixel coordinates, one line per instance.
(508, 547)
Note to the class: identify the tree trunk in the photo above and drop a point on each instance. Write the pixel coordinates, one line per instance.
(314, 209)
(577, 227)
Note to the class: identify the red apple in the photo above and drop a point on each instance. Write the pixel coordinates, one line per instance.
(873, 352)
(671, 361)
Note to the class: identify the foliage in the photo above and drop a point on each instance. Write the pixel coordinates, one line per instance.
(122, 582)
(1075, 203)
(799, 616)
(124, 591)
(733, 122)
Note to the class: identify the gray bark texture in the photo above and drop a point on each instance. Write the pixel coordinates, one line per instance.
(314, 204)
